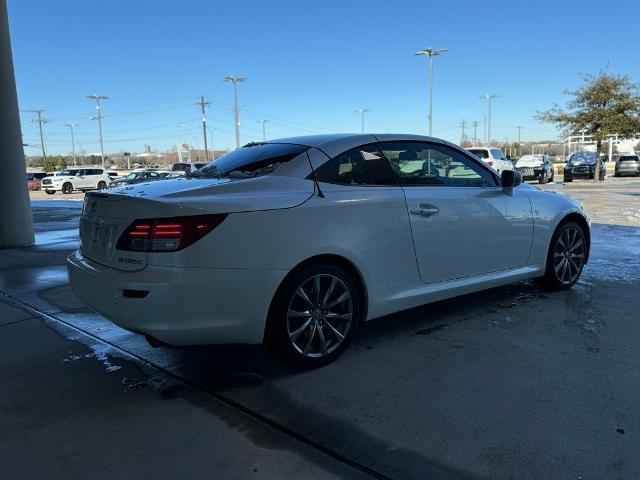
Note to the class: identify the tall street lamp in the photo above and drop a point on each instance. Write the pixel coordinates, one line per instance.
(236, 112)
(73, 141)
(488, 98)
(98, 117)
(264, 131)
(362, 111)
(432, 52)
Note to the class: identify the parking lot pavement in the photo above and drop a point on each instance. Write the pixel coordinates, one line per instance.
(615, 201)
(513, 382)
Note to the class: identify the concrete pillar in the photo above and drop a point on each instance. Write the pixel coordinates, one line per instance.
(16, 223)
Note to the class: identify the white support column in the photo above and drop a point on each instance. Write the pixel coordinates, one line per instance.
(610, 149)
(15, 206)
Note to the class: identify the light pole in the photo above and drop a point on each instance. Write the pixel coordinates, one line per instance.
(488, 98)
(236, 112)
(213, 149)
(73, 141)
(264, 131)
(98, 117)
(432, 52)
(362, 111)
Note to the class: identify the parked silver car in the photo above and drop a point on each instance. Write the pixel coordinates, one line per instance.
(628, 165)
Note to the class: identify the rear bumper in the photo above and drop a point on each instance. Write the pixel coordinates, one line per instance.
(627, 171)
(184, 306)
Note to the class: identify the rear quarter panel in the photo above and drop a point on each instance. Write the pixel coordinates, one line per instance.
(367, 226)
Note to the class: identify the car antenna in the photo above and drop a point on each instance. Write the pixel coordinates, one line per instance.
(315, 178)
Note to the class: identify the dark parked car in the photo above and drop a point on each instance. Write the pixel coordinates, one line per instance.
(628, 165)
(34, 179)
(535, 167)
(583, 165)
(137, 177)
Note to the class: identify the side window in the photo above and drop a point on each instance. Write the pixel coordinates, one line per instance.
(421, 163)
(360, 166)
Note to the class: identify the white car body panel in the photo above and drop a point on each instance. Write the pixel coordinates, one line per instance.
(482, 237)
(441, 240)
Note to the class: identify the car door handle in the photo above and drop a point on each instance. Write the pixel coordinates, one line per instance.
(425, 210)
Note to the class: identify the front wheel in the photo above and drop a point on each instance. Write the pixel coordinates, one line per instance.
(566, 257)
(543, 179)
(50, 192)
(67, 188)
(314, 315)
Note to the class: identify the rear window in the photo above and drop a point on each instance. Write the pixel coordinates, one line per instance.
(497, 154)
(628, 158)
(252, 160)
(480, 153)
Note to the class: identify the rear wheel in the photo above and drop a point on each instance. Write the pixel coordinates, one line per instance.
(67, 188)
(314, 315)
(102, 185)
(566, 257)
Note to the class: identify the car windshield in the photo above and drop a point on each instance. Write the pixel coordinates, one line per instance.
(479, 152)
(583, 158)
(68, 173)
(529, 161)
(252, 160)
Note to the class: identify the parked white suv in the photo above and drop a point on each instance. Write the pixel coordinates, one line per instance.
(76, 178)
(494, 157)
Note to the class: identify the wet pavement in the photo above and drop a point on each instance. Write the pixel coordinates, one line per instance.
(512, 382)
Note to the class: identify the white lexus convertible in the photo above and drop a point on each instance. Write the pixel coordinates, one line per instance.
(294, 242)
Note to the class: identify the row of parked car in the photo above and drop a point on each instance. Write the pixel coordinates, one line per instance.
(532, 168)
(540, 167)
(85, 178)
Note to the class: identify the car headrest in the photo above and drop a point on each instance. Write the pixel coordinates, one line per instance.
(408, 155)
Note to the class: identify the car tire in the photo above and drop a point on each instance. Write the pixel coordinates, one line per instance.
(313, 315)
(50, 192)
(102, 185)
(566, 257)
(567, 180)
(543, 179)
(67, 188)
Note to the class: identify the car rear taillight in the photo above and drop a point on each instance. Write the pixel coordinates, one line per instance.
(490, 164)
(167, 234)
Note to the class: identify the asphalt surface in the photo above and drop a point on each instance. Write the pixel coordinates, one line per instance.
(512, 382)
